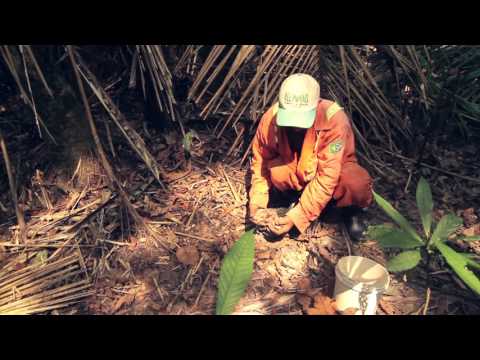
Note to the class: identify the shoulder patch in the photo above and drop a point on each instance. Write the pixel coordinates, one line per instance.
(335, 146)
(332, 110)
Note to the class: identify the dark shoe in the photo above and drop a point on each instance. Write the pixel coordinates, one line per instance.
(353, 219)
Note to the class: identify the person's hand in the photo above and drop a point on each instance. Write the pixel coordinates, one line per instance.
(253, 212)
(281, 225)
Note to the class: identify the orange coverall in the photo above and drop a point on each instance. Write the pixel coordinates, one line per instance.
(326, 168)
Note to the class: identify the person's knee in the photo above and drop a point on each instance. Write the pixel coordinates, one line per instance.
(358, 184)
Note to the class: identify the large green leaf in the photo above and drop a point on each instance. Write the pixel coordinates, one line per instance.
(425, 205)
(397, 217)
(446, 226)
(235, 273)
(390, 237)
(459, 264)
(404, 261)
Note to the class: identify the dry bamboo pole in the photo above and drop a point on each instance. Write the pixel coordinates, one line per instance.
(358, 75)
(212, 56)
(13, 190)
(113, 179)
(46, 298)
(336, 79)
(311, 61)
(154, 80)
(359, 109)
(11, 66)
(234, 80)
(38, 69)
(235, 113)
(277, 80)
(134, 139)
(165, 78)
(41, 283)
(270, 67)
(379, 93)
(183, 59)
(228, 82)
(16, 275)
(345, 75)
(215, 73)
(281, 72)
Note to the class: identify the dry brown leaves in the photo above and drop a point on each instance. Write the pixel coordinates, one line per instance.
(469, 217)
(188, 255)
(388, 307)
(126, 300)
(322, 304)
(472, 231)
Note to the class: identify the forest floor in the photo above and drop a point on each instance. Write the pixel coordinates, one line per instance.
(121, 268)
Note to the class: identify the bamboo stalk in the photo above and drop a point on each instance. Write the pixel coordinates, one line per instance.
(98, 144)
(13, 189)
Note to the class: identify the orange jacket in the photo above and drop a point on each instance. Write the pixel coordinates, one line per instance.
(328, 144)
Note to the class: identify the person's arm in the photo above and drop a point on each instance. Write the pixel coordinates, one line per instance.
(262, 152)
(320, 190)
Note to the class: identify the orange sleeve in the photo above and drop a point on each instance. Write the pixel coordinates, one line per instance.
(320, 190)
(262, 152)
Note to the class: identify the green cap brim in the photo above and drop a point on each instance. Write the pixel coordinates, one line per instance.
(300, 119)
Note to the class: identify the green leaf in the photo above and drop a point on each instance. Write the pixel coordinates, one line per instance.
(425, 205)
(404, 261)
(470, 262)
(397, 217)
(446, 226)
(459, 263)
(235, 273)
(390, 237)
(376, 231)
(470, 238)
(187, 141)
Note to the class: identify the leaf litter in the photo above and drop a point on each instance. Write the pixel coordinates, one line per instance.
(198, 219)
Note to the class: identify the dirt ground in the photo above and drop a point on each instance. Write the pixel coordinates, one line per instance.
(174, 267)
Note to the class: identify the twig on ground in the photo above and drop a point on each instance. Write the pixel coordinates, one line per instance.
(232, 189)
(193, 236)
(427, 302)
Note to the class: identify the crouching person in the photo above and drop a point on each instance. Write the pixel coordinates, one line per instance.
(305, 144)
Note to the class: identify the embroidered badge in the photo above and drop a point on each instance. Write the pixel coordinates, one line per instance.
(335, 146)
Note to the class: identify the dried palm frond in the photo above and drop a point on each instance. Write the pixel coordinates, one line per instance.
(134, 139)
(42, 286)
(188, 56)
(101, 153)
(9, 60)
(151, 60)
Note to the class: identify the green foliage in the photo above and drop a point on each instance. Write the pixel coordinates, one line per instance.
(406, 238)
(446, 226)
(470, 262)
(397, 217)
(188, 140)
(404, 261)
(235, 273)
(425, 205)
(459, 264)
(390, 237)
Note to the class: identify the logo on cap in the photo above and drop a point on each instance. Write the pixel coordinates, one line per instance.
(295, 99)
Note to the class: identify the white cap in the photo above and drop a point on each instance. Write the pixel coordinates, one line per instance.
(299, 97)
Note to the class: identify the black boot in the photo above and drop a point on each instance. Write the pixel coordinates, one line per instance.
(353, 218)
